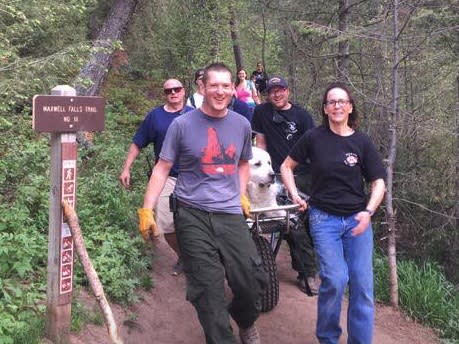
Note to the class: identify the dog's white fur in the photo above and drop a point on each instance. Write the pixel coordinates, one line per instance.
(262, 188)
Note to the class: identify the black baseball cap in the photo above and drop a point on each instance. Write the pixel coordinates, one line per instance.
(276, 82)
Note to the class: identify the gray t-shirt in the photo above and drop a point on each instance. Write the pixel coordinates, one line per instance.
(207, 151)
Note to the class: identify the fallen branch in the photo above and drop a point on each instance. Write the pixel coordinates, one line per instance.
(94, 282)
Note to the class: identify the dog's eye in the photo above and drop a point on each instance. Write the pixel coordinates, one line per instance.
(258, 163)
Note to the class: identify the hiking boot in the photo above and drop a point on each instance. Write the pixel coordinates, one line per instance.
(178, 268)
(249, 335)
(309, 285)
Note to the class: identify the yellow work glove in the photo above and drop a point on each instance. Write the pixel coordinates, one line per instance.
(245, 205)
(147, 224)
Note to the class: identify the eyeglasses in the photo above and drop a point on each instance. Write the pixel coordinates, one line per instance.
(168, 91)
(340, 102)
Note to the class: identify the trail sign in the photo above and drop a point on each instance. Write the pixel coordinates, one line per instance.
(63, 114)
(68, 113)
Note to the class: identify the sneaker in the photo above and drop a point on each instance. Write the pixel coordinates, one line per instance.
(249, 335)
(178, 268)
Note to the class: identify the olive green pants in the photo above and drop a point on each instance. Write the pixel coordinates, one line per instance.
(212, 246)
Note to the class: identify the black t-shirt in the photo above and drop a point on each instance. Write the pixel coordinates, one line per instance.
(260, 80)
(339, 166)
(282, 130)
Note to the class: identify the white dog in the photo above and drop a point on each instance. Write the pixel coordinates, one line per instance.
(262, 188)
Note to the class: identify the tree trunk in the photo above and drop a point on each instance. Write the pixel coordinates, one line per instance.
(234, 26)
(213, 6)
(457, 156)
(96, 70)
(263, 42)
(343, 45)
(394, 115)
(291, 49)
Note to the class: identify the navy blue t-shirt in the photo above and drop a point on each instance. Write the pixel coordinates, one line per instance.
(153, 129)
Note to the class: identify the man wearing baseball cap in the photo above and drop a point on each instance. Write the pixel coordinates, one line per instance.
(278, 124)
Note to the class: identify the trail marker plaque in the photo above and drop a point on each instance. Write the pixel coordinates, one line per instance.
(68, 113)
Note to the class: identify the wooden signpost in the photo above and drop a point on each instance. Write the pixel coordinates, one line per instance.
(63, 114)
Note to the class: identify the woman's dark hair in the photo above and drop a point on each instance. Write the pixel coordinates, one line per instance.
(237, 82)
(353, 120)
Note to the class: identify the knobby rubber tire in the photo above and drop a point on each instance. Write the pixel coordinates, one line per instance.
(270, 296)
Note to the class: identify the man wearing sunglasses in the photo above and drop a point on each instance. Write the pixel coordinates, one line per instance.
(278, 124)
(153, 130)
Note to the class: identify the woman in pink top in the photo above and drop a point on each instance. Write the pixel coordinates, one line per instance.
(246, 90)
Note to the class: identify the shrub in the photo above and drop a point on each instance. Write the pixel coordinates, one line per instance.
(424, 294)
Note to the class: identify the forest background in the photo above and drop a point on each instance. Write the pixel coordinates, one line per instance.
(44, 43)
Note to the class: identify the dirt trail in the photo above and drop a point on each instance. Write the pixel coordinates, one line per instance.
(164, 317)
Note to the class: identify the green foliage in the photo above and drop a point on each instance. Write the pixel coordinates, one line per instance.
(131, 97)
(106, 213)
(179, 37)
(428, 296)
(424, 294)
(381, 277)
(82, 315)
(32, 334)
(21, 310)
(23, 234)
(42, 44)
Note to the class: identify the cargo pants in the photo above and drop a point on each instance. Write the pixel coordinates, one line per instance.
(214, 246)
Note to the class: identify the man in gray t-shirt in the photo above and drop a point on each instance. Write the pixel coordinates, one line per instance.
(211, 147)
(208, 165)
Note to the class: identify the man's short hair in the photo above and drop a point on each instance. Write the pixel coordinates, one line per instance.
(215, 67)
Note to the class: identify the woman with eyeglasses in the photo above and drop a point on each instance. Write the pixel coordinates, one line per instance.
(342, 160)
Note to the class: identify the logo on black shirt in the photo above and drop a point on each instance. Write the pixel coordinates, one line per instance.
(351, 159)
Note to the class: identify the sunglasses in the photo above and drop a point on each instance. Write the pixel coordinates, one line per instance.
(173, 89)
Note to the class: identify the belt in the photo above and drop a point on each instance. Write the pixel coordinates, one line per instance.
(182, 204)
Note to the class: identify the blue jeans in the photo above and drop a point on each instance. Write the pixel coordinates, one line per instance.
(344, 260)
